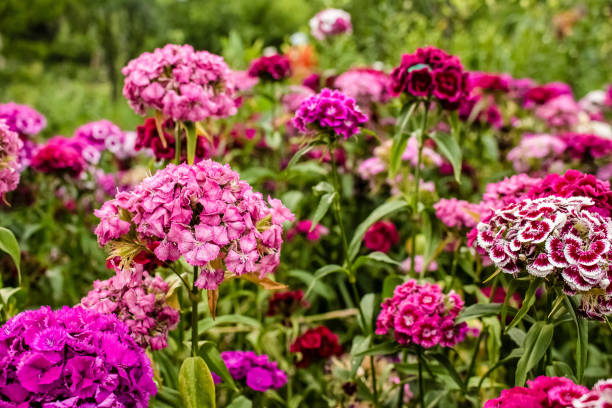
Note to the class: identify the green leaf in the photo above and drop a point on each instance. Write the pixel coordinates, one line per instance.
(323, 187)
(169, 396)
(360, 344)
(528, 301)
(7, 293)
(196, 384)
(8, 244)
(511, 289)
(560, 369)
(382, 211)
(241, 402)
(582, 339)
(209, 352)
(448, 146)
(517, 335)
(494, 341)
(376, 257)
(253, 175)
(432, 235)
(368, 306)
(321, 273)
(321, 210)
(298, 155)
(450, 368)
(400, 140)
(389, 285)
(192, 141)
(318, 287)
(383, 349)
(537, 341)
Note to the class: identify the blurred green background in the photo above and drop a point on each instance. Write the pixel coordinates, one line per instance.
(65, 56)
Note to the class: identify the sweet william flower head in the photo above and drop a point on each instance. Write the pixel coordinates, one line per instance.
(270, 68)
(10, 145)
(258, 372)
(73, 357)
(96, 133)
(330, 111)
(183, 84)
(61, 155)
(203, 212)
(22, 119)
(330, 22)
(315, 345)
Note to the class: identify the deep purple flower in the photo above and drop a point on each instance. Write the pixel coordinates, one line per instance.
(257, 371)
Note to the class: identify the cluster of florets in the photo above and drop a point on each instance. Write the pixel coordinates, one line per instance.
(543, 392)
(381, 236)
(22, 119)
(315, 345)
(148, 137)
(330, 22)
(96, 133)
(561, 112)
(72, 357)
(541, 94)
(554, 238)
(203, 212)
(575, 184)
(481, 82)
(257, 371)
(586, 147)
(183, 84)
(367, 86)
(330, 111)
(482, 109)
(62, 155)
(286, 303)
(10, 144)
(455, 213)
(599, 397)
(543, 149)
(270, 68)
(304, 228)
(139, 301)
(431, 72)
(421, 314)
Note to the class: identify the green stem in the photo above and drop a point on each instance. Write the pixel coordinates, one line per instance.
(177, 145)
(194, 314)
(400, 400)
(421, 385)
(417, 177)
(374, 387)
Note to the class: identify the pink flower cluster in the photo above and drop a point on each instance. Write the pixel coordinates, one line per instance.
(304, 228)
(61, 155)
(509, 190)
(489, 81)
(257, 371)
(585, 147)
(574, 184)
(139, 301)
(539, 95)
(543, 149)
(381, 236)
(203, 212)
(366, 85)
(554, 238)
(421, 314)
(456, 213)
(330, 111)
(270, 68)
(599, 397)
(431, 72)
(10, 144)
(72, 358)
(22, 119)
(561, 112)
(330, 22)
(542, 392)
(96, 133)
(183, 84)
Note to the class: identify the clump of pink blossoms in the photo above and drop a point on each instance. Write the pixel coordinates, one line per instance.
(270, 68)
(330, 111)
(421, 314)
(203, 212)
(183, 84)
(542, 392)
(22, 119)
(330, 22)
(600, 396)
(62, 155)
(366, 85)
(543, 149)
(558, 239)
(9, 151)
(96, 133)
(139, 301)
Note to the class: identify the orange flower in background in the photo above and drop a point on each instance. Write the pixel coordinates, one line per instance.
(303, 60)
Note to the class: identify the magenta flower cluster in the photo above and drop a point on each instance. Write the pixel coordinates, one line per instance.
(599, 396)
(421, 314)
(62, 155)
(330, 22)
(367, 86)
(431, 72)
(270, 68)
(72, 358)
(183, 84)
(10, 144)
(554, 238)
(22, 119)
(330, 111)
(139, 301)
(97, 133)
(257, 371)
(203, 212)
(542, 392)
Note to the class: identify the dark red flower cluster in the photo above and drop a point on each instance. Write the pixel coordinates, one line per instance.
(148, 138)
(59, 155)
(273, 68)
(431, 72)
(286, 303)
(585, 146)
(380, 236)
(539, 95)
(316, 344)
(574, 184)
